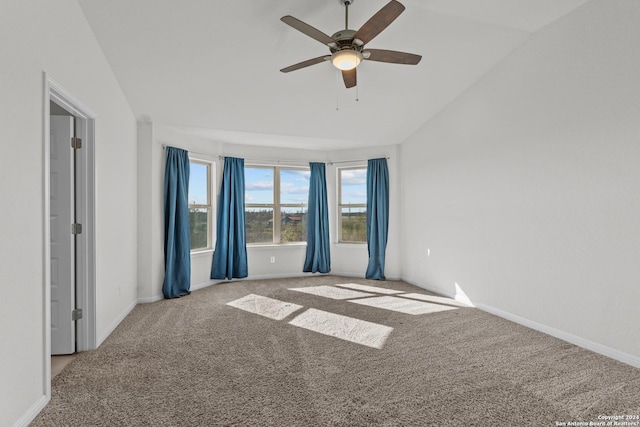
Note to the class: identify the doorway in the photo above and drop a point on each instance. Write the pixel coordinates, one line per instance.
(69, 238)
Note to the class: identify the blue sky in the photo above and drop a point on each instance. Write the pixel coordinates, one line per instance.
(198, 184)
(354, 186)
(294, 185)
(258, 185)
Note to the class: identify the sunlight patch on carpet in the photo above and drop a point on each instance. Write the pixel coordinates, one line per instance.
(263, 306)
(402, 305)
(332, 292)
(346, 328)
(367, 288)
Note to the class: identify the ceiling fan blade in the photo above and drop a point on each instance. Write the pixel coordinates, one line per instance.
(392, 56)
(349, 77)
(307, 29)
(379, 21)
(306, 63)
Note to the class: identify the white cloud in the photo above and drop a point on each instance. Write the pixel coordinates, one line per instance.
(354, 177)
(291, 188)
(259, 186)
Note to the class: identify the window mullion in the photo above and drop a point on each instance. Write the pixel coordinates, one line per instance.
(339, 205)
(277, 216)
(210, 228)
(209, 210)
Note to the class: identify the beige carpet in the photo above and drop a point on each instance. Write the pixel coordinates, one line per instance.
(279, 356)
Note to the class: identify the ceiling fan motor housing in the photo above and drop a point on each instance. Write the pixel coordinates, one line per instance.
(343, 35)
(343, 40)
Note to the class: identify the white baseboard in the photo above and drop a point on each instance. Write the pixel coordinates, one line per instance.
(281, 276)
(156, 298)
(285, 276)
(432, 289)
(212, 282)
(115, 323)
(618, 355)
(32, 412)
(360, 275)
(147, 300)
(205, 284)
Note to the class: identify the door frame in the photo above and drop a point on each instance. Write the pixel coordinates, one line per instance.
(85, 207)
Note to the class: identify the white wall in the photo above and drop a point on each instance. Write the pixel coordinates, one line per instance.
(346, 259)
(148, 217)
(525, 191)
(39, 36)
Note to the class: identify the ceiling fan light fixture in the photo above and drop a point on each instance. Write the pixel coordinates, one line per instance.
(346, 59)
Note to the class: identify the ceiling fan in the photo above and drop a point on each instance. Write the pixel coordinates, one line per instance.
(348, 46)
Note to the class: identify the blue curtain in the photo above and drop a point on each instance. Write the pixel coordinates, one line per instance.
(377, 216)
(177, 239)
(318, 258)
(230, 255)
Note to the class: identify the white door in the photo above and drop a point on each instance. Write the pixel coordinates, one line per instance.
(63, 339)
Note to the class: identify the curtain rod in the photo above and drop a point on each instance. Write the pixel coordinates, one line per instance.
(276, 161)
(273, 161)
(297, 162)
(292, 162)
(355, 160)
(190, 152)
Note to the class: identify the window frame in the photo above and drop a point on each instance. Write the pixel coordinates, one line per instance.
(340, 205)
(209, 206)
(277, 206)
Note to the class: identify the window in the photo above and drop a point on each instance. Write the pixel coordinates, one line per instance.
(276, 204)
(200, 208)
(352, 205)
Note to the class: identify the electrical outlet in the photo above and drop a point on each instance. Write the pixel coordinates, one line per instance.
(273, 260)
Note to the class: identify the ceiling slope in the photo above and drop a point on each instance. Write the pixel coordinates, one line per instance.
(212, 68)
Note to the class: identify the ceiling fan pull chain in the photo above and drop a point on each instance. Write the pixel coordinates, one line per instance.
(357, 95)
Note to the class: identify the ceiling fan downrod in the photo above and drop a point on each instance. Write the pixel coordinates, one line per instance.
(346, 4)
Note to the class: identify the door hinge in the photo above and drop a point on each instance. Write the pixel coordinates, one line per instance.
(76, 314)
(76, 143)
(76, 228)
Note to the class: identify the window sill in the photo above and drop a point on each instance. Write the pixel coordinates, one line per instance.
(275, 245)
(201, 252)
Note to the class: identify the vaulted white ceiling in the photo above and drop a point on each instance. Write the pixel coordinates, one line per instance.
(211, 68)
